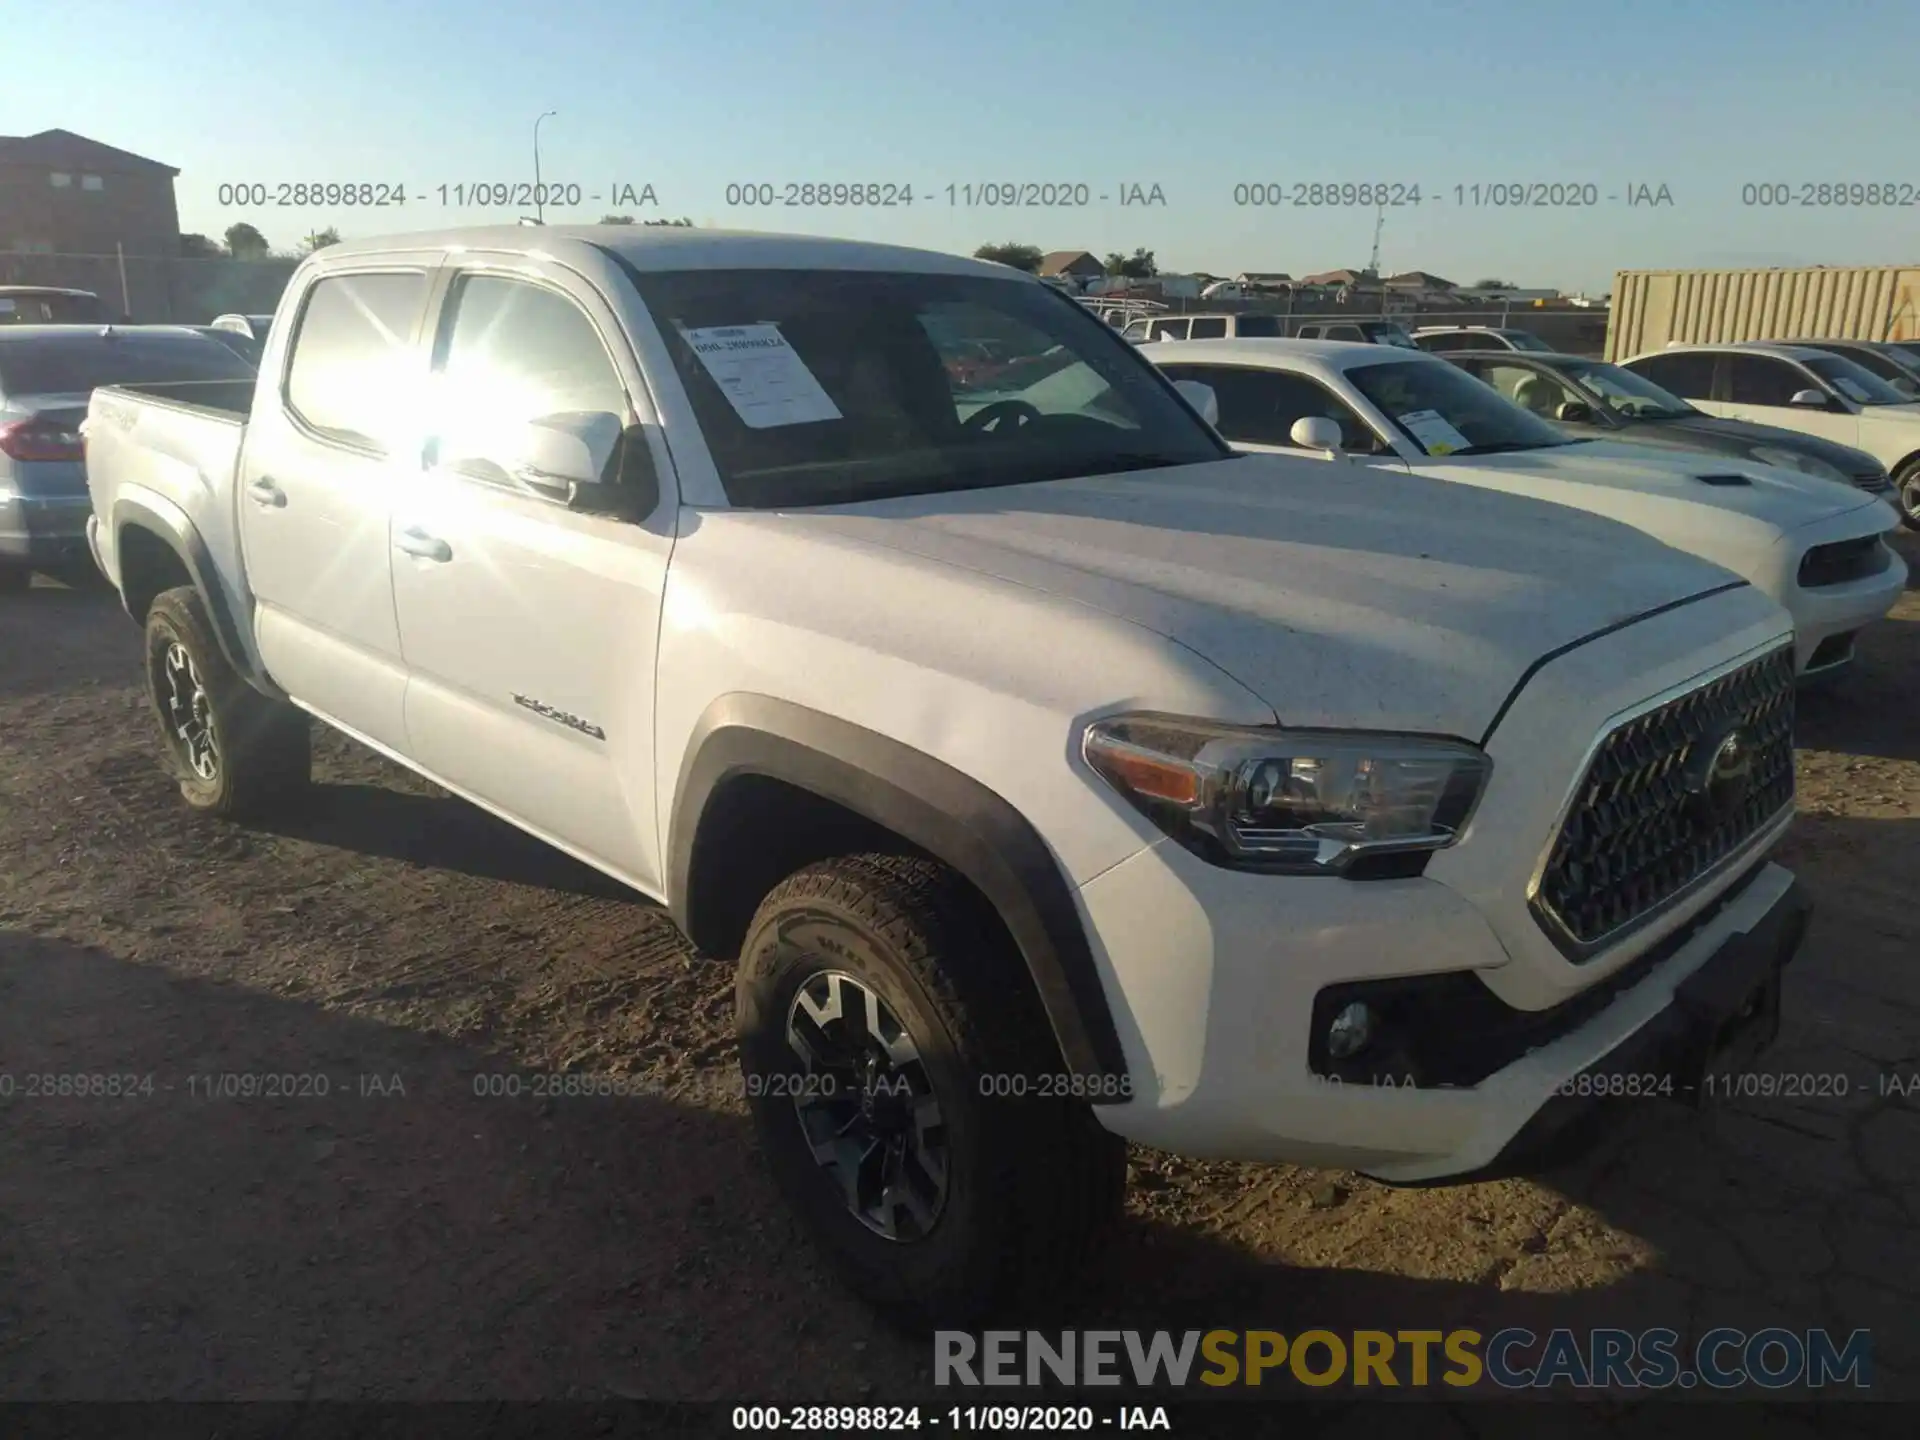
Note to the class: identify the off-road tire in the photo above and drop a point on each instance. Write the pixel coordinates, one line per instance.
(1034, 1182)
(262, 748)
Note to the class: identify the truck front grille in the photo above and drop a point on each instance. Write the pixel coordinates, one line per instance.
(1667, 798)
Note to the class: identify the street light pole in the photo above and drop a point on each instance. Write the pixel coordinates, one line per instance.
(539, 197)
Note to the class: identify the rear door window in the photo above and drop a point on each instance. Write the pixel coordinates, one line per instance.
(353, 353)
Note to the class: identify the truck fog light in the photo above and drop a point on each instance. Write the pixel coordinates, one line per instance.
(1350, 1032)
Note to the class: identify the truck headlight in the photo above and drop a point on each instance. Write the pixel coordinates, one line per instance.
(1297, 802)
(1805, 464)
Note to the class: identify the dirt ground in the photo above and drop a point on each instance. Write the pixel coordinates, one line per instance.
(400, 1236)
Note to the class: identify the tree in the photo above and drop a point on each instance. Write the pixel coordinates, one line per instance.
(1137, 266)
(320, 239)
(246, 243)
(683, 220)
(616, 220)
(1494, 285)
(199, 247)
(1020, 257)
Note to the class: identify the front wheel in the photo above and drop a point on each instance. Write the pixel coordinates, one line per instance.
(1906, 486)
(882, 1016)
(236, 753)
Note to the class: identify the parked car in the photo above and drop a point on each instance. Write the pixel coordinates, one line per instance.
(1589, 399)
(51, 305)
(1816, 546)
(1058, 777)
(1890, 362)
(243, 346)
(1146, 329)
(245, 333)
(47, 373)
(1439, 339)
(1369, 332)
(1799, 388)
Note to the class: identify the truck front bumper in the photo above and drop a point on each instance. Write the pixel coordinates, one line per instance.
(1229, 970)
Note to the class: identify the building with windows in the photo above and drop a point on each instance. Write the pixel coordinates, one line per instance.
(62, 193)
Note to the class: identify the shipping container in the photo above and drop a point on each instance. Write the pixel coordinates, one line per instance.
(1654, 307)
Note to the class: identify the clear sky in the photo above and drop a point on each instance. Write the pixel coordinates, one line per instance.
(1194, 97)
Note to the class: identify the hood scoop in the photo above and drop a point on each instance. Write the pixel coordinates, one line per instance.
(1726, 479)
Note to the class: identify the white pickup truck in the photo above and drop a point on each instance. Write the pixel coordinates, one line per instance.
(1057, 777)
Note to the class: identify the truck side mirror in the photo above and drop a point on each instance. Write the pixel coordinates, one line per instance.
(589, 461)
(1810, 399)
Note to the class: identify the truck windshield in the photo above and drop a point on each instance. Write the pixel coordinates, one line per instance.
(1445, 411)
(823, 387)
(75, 363)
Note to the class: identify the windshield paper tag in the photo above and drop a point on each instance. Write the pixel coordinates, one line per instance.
(764, 378)
(1435, 435)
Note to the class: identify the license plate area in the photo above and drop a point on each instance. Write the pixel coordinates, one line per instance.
(1732, 1008)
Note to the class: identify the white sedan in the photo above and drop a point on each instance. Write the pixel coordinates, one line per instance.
(1817, 546)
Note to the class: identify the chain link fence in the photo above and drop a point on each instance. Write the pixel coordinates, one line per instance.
(157, 290)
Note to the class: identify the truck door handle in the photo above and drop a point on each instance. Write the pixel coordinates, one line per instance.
(265, 492)
(416, 541)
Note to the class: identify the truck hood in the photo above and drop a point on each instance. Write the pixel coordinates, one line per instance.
(1336, 604)
(1606, 475)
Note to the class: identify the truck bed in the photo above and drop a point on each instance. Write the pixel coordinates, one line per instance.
(228, 399)
(172, 447)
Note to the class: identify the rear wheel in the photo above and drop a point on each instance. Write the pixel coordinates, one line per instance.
(902, 1077)
(235, 752)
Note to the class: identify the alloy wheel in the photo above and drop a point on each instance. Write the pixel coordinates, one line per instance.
(190, 712)
(867, 1106)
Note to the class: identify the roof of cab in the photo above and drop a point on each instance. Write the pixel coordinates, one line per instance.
(676, 247)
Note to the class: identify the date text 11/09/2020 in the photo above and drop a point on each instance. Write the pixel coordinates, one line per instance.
(1479, 195)
(462, 194)
(1714, 1085)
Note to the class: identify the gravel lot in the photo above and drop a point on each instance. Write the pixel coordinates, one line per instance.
(371, 1244)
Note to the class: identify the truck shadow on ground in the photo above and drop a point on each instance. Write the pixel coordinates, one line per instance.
(437, 831)
(384, 1226)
